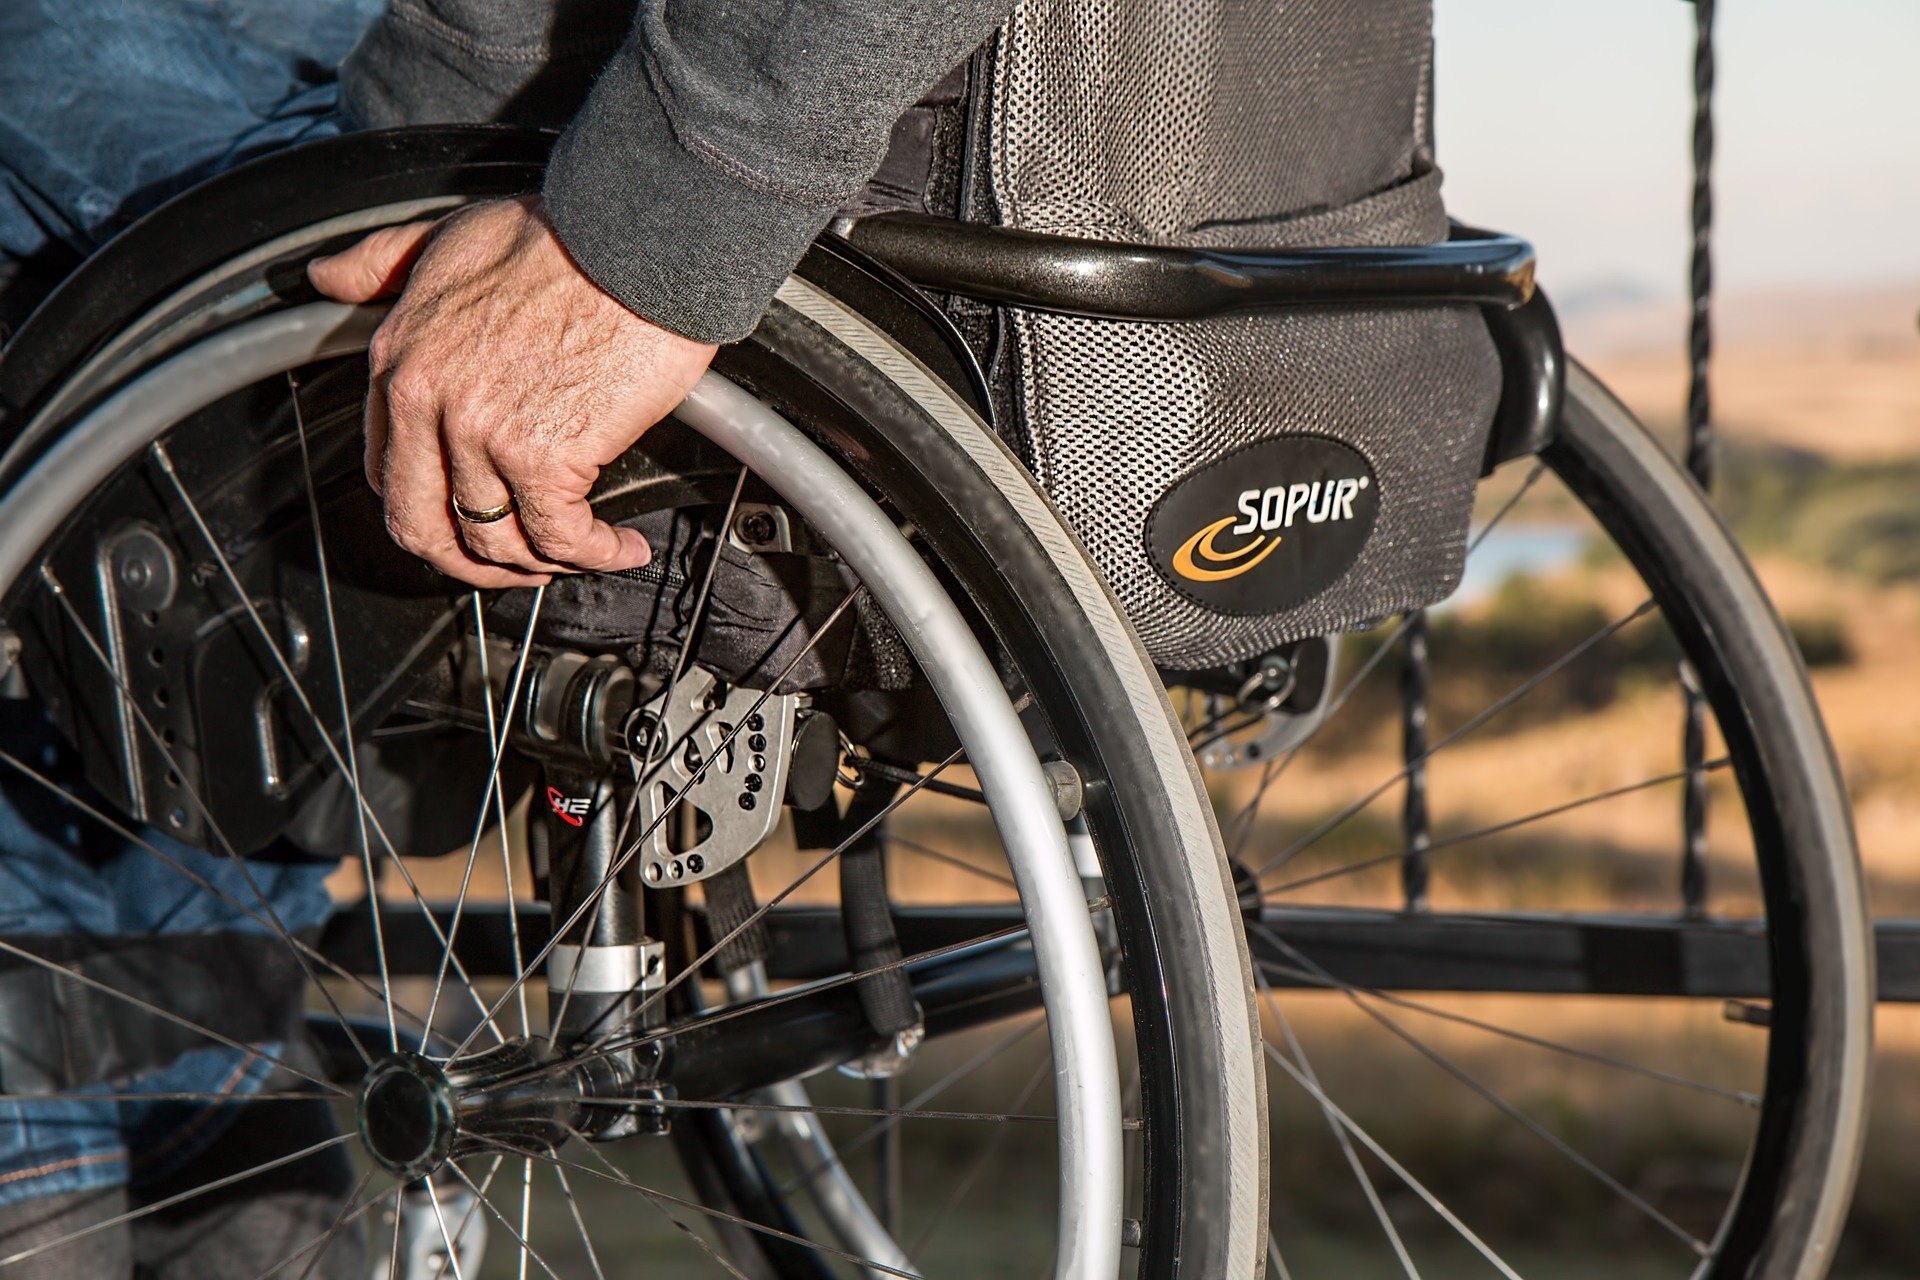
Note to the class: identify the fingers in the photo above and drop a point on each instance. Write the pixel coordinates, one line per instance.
(376, 267)
(560, 528)
(415, 488)
(478, 487)
(375, 426)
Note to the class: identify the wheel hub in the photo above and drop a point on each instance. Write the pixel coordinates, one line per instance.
(416, 1114)
(408, 1118)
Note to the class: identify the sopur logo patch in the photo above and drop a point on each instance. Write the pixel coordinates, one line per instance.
(1267, 527)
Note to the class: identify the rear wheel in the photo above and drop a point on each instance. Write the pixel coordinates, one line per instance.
(999, 738)
(1558, 990)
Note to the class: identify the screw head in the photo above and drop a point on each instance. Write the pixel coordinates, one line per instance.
(756, 528)
(746, 800)
(642, 731)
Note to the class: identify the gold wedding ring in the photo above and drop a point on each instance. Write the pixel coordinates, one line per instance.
(488, 516)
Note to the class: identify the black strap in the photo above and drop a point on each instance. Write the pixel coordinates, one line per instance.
(60, 1032)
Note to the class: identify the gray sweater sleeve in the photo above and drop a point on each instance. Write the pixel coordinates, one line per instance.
(720, 136)
(723, 134)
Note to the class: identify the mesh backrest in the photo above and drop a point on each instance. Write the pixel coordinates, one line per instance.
(1283, 123)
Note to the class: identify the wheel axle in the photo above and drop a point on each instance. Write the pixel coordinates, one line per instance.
(415, 1114)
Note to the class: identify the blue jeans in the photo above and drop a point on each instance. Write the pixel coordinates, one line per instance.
(108, 107)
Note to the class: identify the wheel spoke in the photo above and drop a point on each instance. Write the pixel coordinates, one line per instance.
(1533, 1126)
(460, 1227)
(892, 840)
(613, 1174)
(1360, 1174)
(916, 1103)
(354, 1215)
(500, 812)
(490, 797)
(1400, 1171)
(1493, 709)
(172, 1200)
(158, 742)
(987, 1151)
(526, 1250)
(627, 855)
(573, 1207)
(1239, 828)
(664, 1212)
(346, 710)
(96, 985)
(819, 1109)
(159, 453)
(1493, 829)
(1531, 478)
(1274, 1260)
(433, 1198)
(319, 1246)
(193, 876)
(1317, 976)
(110, 1094)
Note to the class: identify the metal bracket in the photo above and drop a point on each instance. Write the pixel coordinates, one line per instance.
(1282, 728)
(737, 796)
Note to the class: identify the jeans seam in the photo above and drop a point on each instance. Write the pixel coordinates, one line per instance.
(59, 1166)
(198, 1123)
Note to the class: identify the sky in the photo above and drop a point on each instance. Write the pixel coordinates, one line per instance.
(1568, 122)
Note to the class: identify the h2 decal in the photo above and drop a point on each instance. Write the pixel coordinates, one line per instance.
(571, 810)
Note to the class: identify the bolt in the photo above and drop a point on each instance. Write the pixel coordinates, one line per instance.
(746, 800)
(754, 782)
(756, 722)
(641, 731)
(135, 574)
(695, 864)
(755, 528)
(758, 764)
(757, 743)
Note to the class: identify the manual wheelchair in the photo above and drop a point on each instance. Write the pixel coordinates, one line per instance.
(869, 772)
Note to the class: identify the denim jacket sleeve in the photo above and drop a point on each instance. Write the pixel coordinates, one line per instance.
(717, 141)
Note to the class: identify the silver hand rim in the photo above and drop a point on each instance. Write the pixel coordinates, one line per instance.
(1072, 979)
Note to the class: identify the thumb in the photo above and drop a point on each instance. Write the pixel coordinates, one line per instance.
(376, 267)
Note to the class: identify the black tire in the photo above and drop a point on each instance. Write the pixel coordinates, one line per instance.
(919, 445)
(1807, 1150)
(1582, 935)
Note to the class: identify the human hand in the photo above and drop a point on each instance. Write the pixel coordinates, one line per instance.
(503, 374)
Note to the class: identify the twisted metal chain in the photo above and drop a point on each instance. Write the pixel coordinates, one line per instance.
(1700, 275)
(1700, 447)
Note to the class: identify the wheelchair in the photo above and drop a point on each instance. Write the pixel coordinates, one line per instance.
(848, 892)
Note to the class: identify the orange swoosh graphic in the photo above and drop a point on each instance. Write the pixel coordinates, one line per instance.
(1185, 566)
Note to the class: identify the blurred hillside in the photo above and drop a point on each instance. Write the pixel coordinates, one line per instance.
(1836, 374)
